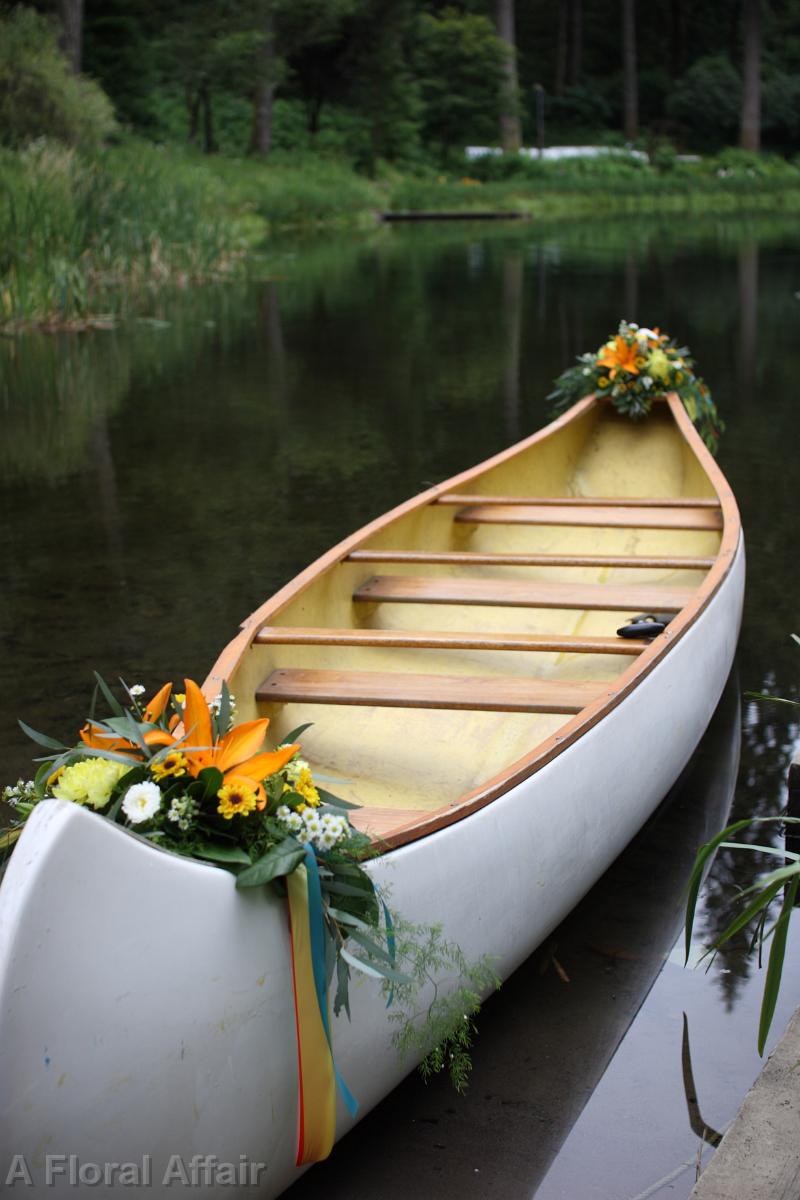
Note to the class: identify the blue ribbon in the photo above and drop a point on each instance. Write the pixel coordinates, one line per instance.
(316, 924)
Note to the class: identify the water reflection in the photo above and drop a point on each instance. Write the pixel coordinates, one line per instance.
(158, 481)
(547, 1038)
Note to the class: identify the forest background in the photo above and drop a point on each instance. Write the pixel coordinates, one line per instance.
(163, 138)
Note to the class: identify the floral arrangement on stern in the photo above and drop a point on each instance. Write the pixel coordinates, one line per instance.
(635, 367)
(177, 771)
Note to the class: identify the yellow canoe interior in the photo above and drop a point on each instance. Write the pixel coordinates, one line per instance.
(448, 641)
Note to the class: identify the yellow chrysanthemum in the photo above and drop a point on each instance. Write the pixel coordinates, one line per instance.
(603, 381)
(658, 365)
(173, 764)
(90, 782)
(236, 800)
(303, 784)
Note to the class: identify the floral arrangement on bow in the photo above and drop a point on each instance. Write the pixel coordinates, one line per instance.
(178, 772)
(635, 367)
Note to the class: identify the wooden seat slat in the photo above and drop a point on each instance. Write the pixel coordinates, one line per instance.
(624, 517)
(387, 689)
(585, 501)
(471, 558)
(602, 516)
(278, 635)
(430, 589)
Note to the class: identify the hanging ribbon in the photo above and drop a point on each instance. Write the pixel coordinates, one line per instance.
(317, 1071)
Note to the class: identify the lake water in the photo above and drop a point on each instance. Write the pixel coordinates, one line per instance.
(159, 480)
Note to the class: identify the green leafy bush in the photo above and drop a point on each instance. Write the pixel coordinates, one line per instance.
(39, 95)
(707, 101)
(459, 61)
(579, 106)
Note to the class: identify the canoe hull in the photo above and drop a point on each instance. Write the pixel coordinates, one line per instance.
(146, 1010)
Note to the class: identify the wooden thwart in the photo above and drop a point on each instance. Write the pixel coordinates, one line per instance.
(428, 589)
(472, 559)
(383, 689)
(418, 640)
(585, 501)
(606, 516)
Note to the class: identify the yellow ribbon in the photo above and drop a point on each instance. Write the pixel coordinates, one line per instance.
(317, 1088)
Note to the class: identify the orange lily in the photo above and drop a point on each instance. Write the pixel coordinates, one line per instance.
(97, 739)
(621, 358)
(234, 754)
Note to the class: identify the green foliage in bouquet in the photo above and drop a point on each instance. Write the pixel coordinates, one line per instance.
(635, 367)
(179, 772)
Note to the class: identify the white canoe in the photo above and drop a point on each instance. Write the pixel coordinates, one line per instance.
(505, 745)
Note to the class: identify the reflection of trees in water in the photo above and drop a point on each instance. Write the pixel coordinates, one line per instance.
(769, 738)
(298, 408)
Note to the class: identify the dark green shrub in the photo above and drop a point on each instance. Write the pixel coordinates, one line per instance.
(580, 106)
(780, 109)
(39, 96)
(707, 101)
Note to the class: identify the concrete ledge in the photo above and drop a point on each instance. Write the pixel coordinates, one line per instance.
(759, 1157)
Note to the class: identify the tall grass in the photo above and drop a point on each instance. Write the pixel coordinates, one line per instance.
(80, 233)
(74, 228)
(83, 234)
(298, 191)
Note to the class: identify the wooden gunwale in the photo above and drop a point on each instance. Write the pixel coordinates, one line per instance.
(568, 733)
(470, 558)
(294, 635)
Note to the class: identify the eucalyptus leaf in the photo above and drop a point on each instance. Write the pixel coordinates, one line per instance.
(8, 837)
(223, 854)
(109, 696)
(296, 733)
(224, 717)
(374, 969)
(113, 812)
(345, 889)
(347, 918)
(41, 777)
(279, 860)
(41, 739)
(91, 752)
(342, 997)
(334, 801)
(373, 949)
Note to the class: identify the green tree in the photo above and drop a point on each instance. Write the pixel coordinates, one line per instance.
(271, 32)
(460, 62)
(706, 101)
(40, 96)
